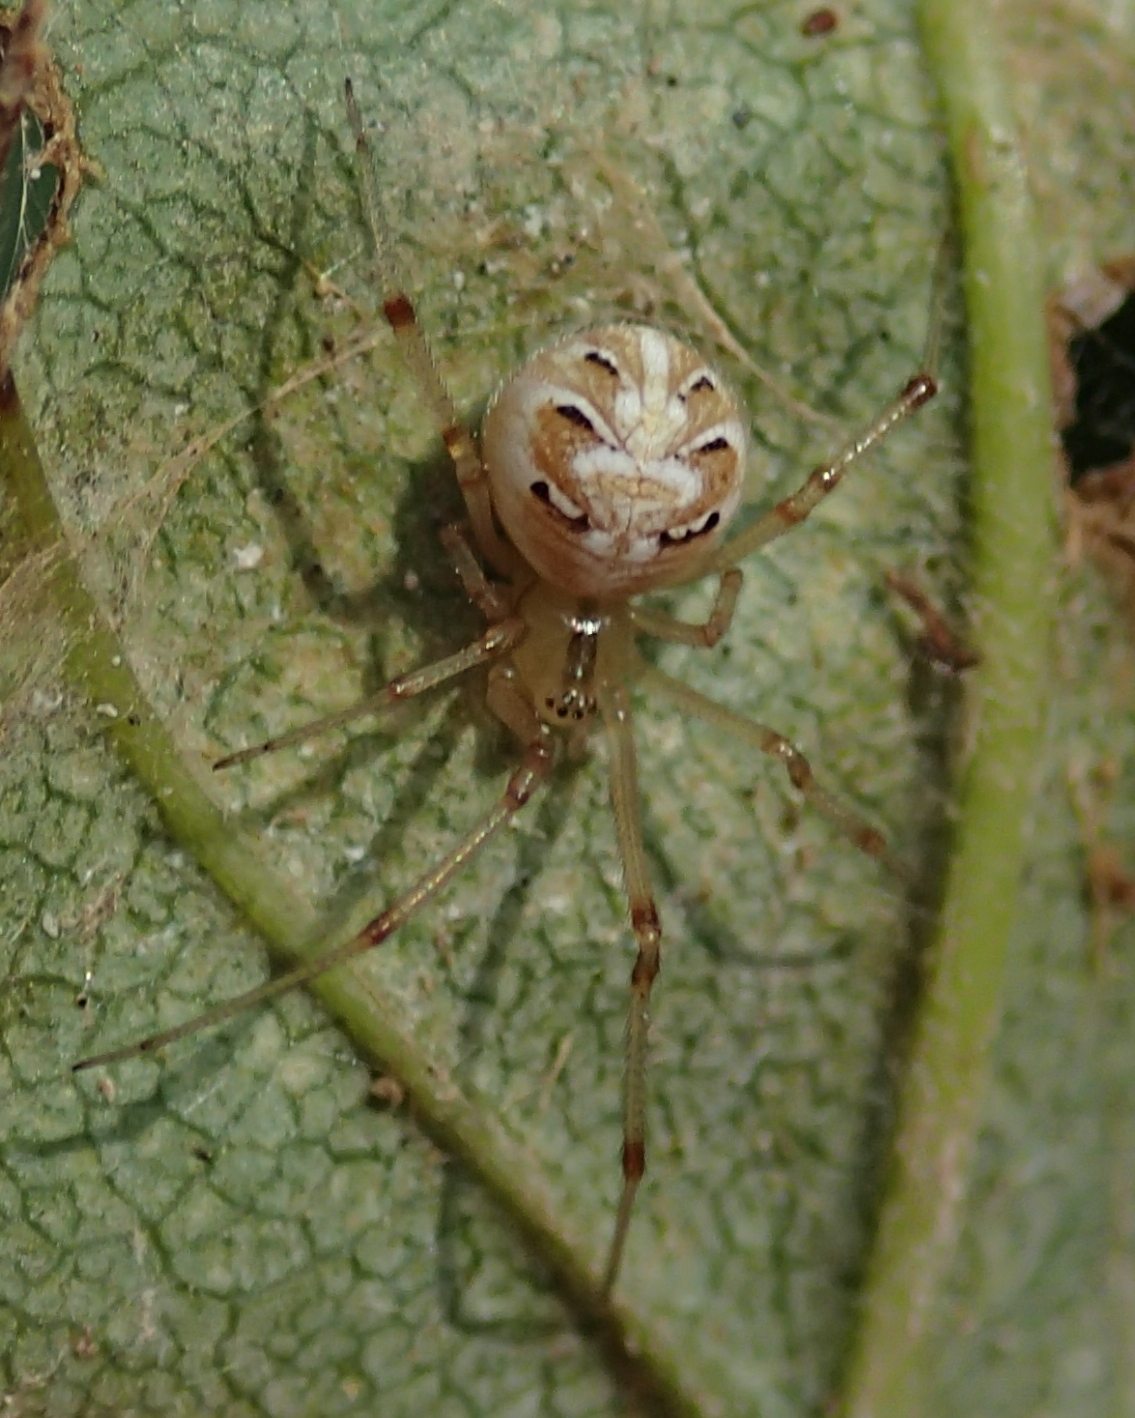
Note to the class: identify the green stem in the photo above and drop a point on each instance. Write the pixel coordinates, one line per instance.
(1014, 542)
(658, 1373)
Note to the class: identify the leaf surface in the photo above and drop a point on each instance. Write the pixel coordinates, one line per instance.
(230, 1227)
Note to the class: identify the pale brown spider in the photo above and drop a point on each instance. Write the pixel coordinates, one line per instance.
(609, 465)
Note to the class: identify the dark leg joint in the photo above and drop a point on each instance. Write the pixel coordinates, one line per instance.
(799, 774)
(399, 312)
(645, 917)
(378, 929)
(920, 390)
(533, 771)
(645, 970)
(789, 513)
(519, 789)
(634, 1160)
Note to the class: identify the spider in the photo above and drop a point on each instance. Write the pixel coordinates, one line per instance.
(609, 464)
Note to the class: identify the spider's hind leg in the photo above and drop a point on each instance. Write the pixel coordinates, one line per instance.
(523, 783)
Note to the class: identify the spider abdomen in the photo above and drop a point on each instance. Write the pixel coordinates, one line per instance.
(615, 459)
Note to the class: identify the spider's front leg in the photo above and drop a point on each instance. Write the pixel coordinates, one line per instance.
(919, 389)
(398, 308)
(790, 511)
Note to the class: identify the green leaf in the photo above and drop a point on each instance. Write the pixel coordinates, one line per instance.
(229, 1227)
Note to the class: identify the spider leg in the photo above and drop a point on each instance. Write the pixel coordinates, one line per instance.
(705, 634)
(534, 769)
(648, 937)
(498, 640)
(399, 311)
(765, 740)
(919, 389)
(821, 481)
(505, 632)
(477, 586)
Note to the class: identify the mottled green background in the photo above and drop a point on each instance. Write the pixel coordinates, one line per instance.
(232, 1228)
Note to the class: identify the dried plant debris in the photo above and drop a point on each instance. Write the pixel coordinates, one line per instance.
(819, 22)
(21, 57)
(1092, 336)
(1109, 880)
(41, 165)
(938, 642)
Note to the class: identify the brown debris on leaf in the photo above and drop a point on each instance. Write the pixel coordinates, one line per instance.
(939, 642)
(22, 57)
(1092, 346)
(1109, 882)
(819, 22)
